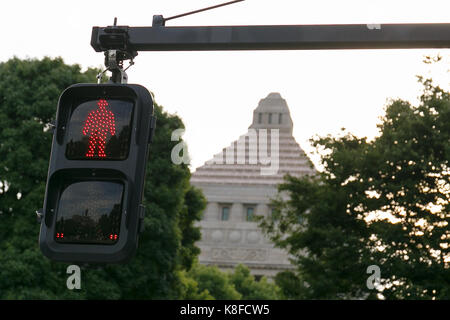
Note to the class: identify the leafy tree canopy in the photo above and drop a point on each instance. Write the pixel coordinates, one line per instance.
(384, 202)
(239, 284)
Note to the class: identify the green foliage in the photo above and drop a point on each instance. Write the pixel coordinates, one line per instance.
(412, 180)
(332, 223)
(190, 289)
(194, 204)
(250, 289)
(215, 281)
(315, 220)
(237, 285)
(290, 285)
(29, 91)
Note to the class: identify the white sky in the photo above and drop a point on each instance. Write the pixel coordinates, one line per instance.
(216, 92)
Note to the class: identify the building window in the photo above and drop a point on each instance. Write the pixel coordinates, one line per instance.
(270, 118)
(280, 118)
(225, 213)
(260, 118)
(274, 214)
(250, 213)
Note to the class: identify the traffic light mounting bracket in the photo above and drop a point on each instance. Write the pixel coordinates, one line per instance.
(114, 62)
(117, 50)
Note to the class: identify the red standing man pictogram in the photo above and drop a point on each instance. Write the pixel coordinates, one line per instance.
(98, 124)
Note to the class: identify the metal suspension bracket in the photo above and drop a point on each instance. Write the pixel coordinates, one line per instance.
(114, 63)
(115, 43)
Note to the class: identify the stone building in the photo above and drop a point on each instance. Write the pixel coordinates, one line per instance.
(237, 188)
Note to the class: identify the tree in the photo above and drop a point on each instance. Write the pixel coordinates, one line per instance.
(190, 289)
(212, 283)
(29, 90)
(28, 96)
(325, 242)
(216, 282)
(290, 285)
(249, 288)
(383, 202)
(411, 183)
(194, 204)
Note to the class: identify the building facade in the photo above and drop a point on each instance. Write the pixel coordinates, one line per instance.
(240, 182)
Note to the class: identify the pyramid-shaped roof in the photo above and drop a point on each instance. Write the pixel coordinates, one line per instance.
(263, 155)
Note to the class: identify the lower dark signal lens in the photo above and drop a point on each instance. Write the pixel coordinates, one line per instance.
(89, 212)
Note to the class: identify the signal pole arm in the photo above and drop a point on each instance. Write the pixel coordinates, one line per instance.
(276, 37)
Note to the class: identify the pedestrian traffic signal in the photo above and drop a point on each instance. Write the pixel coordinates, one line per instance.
(92, 208)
